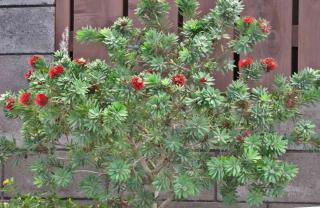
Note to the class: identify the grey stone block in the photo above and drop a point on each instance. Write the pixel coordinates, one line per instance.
(206, 205)
(27, 30)
(23, 178)
(26, 2)
(10, 128)
(310, 112)
(12, 69)
(306, 186)
(292, 205)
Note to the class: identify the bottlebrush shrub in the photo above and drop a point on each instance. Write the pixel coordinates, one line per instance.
(149, 120)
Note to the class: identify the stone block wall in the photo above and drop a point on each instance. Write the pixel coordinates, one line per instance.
(27, 27)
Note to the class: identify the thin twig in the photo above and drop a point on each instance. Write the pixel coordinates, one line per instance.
(166, 202)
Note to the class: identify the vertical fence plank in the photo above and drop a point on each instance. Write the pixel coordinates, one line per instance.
(222, 80)
(173, 14)
(279, 43)
(95, 13)
(309, 34)
(62, 19)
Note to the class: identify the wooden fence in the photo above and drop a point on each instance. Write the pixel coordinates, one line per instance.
(294, 41)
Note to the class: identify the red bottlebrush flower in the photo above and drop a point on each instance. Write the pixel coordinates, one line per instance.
(247, 134)
(34, 59)
(203, 80)
(269, 63)
(24, 98)
(242, 137)
(28, 74)
(243, 63)
(9, 104)
(179, 79)
(265, 26)
(41, 100)
(248, 19)
(137, 83)
(55, 71)
(80, 61)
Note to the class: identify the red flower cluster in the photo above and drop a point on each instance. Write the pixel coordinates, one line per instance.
(24, 98)
(248, 19)
(41, 100)
(203, 80)
(243, 136)
(265, 26)
(243, 63)
(137, 83)
(55, 71)
(28, 74)
(179, 79)
(269, 63)
(80, 61)
(34, 59)
(9, 104)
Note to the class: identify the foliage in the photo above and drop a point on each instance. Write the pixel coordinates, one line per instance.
(148, 119)
(27, 201)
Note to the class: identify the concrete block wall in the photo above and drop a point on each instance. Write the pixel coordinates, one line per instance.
(27, 27)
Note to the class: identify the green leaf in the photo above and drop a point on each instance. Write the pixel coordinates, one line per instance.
(91, 187)
(62, 177)
(255, 197)
(184, 187)
(119, 171)
(216, 168)
(232, 166)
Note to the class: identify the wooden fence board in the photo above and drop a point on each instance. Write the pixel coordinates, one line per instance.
(96, 13)
(62, 19)
(309, 34)
(279, 43)
(222, 81)
(173, 14)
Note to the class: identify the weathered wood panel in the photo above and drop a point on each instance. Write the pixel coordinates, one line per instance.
(95, 13)
(62, 19)
(172, 19)
(279, 43)
(309, 34)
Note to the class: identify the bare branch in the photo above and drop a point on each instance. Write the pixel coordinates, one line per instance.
(165, 203)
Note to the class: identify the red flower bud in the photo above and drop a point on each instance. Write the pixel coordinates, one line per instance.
(269, 63)
(34, 59)
(28, 74)
(244, 63)
(9, 104)
(248, 19)
(265, 26)
(240, 138)
(137, 83)
(55, 71)
(24, 98)
(203, 80)
(80, 61)
(179, 79)
(41, 100)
